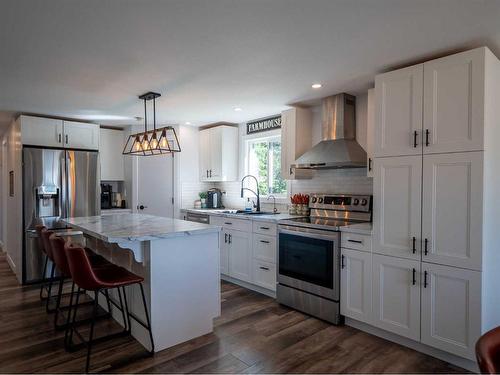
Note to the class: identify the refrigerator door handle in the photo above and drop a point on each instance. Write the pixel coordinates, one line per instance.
(63, 197)
(69, 183)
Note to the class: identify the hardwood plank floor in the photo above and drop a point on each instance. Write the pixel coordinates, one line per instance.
(253, 335)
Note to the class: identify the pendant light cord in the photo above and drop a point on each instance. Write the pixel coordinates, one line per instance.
(154, 114)
(145, 117)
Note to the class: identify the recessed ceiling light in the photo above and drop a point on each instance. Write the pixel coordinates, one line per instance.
(188, 123)
(238, 109)
(316, 85)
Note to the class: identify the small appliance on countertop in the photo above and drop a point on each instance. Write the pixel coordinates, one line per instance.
(309, 253)
(214, 198)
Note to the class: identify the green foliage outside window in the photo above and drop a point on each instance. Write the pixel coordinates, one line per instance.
(267, 156)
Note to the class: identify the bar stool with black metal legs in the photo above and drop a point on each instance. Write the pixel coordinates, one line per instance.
(61, 262)
(96, 279)
(39, 241)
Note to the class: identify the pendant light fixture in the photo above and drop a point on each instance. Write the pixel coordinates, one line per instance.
(152, 142)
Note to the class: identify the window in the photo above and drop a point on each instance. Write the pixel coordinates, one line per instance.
(263, 160)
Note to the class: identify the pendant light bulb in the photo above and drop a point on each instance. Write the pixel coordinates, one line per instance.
(145, 143)
(154, 142)
(137, 144)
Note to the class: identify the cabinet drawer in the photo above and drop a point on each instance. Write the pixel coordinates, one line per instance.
(230, 223)
(356, 241)
(264, 274)
(264, 227)
(264, 247)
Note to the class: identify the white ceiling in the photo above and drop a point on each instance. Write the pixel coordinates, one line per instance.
(91, 59)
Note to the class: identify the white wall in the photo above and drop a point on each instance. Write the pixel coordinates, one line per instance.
(13, 205)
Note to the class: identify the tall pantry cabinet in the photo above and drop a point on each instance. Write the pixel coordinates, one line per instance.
(436, 232)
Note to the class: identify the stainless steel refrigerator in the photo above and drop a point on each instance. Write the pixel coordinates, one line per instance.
(56, 184)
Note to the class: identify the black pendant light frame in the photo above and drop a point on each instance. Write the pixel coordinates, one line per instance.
(153, 142)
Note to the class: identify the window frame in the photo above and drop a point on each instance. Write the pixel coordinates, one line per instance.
(265, 136)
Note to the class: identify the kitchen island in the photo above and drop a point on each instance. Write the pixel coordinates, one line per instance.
(179, 261)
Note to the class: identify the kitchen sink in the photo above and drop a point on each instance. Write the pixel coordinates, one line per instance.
(242, 212)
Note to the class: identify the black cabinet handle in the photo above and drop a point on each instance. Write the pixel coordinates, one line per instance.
(228, 223)
(414, 245)
(415, 135)
(342, 264)
(414, 276)
(426, 242)
(291, 171)
(264, 268)
(207, 173)
(265, 228)
(230, 238)
(355, 241)
(225, 237)
(264, 241)
(210, 173)
(427, 132)
(59, 138)
(369, 164)
(425, 279)
(66, 138)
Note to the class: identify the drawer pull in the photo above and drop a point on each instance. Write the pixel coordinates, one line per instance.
(265, 228)
(228, 223)
(355, 241)
(263, 241)
(264, 268)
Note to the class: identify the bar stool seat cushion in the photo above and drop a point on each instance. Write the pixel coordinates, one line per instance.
(115, 276)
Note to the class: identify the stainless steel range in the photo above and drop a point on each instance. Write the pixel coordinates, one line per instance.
(309, 254)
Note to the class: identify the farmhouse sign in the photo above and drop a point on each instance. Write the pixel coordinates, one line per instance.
(264, 125)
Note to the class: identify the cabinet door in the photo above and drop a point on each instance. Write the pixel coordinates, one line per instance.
(398, 115)
(396, 295)
(452, 209)
(215, 169)
(38, 131)
(264, 274)
(80, 135)
(240, 255)
(111, 144)
(204, 154)
(370, 132)
(356, 285)
(396, 212)
(224, 253)
(454, 102)
(451, 309)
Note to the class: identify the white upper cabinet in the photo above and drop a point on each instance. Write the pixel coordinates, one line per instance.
(80, 135)
(356, 285)
(219, 153)
(370, 132)
(111, 144)
(396, 212)
(398, 112)
(453, 209)
(39, 131)
(454, 102)
(451, 309)
(296, 139)
(396, 295)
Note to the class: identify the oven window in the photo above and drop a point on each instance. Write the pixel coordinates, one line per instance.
(307, 259)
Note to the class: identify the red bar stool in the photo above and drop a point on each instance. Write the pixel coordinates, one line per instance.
(97, 279)
(61, 262)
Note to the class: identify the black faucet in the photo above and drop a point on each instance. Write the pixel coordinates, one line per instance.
(257, 194)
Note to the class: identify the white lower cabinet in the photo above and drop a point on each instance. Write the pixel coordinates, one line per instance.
(451, 309)
(264, 274)
(396, 295)
(224, 254)
(356, 285)
(239, 254)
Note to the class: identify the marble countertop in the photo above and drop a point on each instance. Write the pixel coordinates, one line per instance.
(116, 228)
(219, 212)
(360, 228)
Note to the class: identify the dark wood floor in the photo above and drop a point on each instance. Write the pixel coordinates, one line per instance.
(253, 335)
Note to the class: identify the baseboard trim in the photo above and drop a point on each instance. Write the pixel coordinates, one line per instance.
(250, 286)
(451, 358)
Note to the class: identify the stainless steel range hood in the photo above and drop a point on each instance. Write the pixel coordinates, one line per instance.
(339, 148)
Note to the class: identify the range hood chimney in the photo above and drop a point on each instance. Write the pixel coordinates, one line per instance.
(339, 148)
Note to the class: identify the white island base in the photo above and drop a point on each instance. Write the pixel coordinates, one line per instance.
(182, 280)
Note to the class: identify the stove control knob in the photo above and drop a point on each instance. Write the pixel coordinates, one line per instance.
(356, 202)
(320, 200)
(314, 199)
(364, 202)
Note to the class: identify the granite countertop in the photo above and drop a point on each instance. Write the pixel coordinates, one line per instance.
(360, 228)
(136, 227)
(220, 212)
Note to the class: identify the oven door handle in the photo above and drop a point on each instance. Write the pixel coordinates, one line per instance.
(311, 234)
